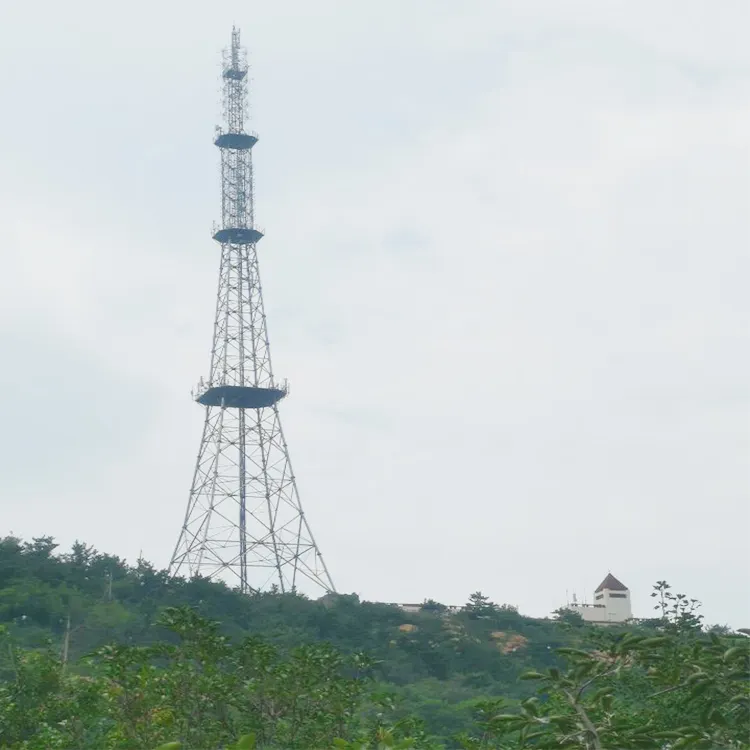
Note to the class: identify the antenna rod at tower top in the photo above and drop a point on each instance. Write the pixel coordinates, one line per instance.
(235, 47)
(235, 60)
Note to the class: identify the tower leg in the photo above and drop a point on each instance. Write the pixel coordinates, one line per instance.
(245, 523)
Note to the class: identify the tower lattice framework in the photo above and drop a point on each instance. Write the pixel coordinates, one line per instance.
(244, 521)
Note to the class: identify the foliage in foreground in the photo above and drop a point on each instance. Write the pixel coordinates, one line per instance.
(99, 655)
(436, 663)
(678, 688)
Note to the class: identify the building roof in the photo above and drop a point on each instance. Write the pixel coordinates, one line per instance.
(611, 584)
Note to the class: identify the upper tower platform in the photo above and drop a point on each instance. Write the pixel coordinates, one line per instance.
(236, 73)
(238, 235)
(236, 141)
(235, 78)
(240, 397)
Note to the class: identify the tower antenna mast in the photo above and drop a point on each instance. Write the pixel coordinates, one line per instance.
(244, 522)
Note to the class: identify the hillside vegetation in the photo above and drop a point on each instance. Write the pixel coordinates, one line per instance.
(99, 654)
(438, 664)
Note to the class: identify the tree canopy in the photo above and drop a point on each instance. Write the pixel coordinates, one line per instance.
(97, 654)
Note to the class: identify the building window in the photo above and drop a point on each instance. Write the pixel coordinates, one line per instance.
(618, 596)
(599, 596)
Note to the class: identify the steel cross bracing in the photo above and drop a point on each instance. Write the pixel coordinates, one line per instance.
(244, 522)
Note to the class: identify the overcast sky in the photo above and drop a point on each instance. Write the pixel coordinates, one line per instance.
(505, 268)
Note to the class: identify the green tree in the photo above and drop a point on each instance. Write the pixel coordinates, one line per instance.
(569, 617)
(479, 606)
(683, 688)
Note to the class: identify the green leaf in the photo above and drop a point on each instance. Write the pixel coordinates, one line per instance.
(646, 729)
(533, 676)
(700, 687)
(658, 640)
(246, 742)
(599, 694)
(559, 719)
(705, 717)
(169, 746)
(535, 735)
(733, 652)
(531, 707)
(682, 742)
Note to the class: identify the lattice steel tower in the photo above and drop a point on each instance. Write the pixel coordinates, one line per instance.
(244, 521)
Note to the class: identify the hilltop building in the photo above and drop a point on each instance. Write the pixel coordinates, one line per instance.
(611, 603)
(419, 607)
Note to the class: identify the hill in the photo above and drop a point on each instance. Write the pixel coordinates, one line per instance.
(437, 664)
(96, 654)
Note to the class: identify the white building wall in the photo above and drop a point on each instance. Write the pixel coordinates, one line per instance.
(607, 606)
(617, 605)
(590, 613)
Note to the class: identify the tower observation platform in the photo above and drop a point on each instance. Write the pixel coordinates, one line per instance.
(239, 397)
